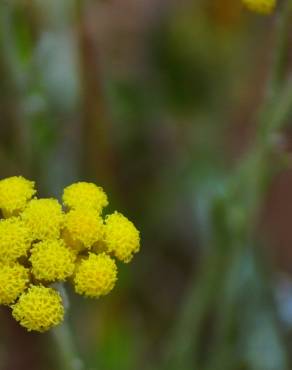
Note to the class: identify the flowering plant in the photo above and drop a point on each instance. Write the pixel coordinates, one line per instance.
(42, 243)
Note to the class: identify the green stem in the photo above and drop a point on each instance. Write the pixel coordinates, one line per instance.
(67, 354)
(187, 333)
(275, 115)
(276, 78)
(63, 338)
(280, 58)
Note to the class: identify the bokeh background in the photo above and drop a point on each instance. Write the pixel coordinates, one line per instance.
(155, 101)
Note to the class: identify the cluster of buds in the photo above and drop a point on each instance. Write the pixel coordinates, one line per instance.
(43, 243)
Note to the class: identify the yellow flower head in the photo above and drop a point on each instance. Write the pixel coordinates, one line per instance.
(44, 217)
(13, 281)
(15, 192)
(15, 239)
(95, 276)
(37, 233)
(52, 261)
(85, 194)
(39, 309)
(83, 228)
(121, 237)
(260, 6)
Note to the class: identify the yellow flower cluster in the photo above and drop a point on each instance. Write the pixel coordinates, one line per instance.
(260, 6)
(42, 243)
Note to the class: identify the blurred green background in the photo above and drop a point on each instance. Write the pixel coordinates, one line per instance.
(155, 101)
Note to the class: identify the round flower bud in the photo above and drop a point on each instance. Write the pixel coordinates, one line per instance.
(39, 309)
(85, 194)
(15, 192)
(82, 228)
(15, 239)
(260, 6)
(121, 237)
(13, 281)
(44, 217)
(95, 276)
(52, 261)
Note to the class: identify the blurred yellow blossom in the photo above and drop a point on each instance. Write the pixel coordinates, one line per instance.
(260, 6)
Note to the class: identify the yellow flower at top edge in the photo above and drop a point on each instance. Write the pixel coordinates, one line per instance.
(15, 239)
(82, 228)
(44, 217)
(13, 280)
(95, 276)
(39, 309)
(52, 261)
(260, 6)
(15, 192)
(121, 237)
(85, 194)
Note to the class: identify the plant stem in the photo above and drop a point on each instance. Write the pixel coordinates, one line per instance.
(68, 357)
(280, 57)
(63, 338)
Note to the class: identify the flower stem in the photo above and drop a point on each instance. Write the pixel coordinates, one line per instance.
(282, 46)
(68, 358)
(63, 338)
